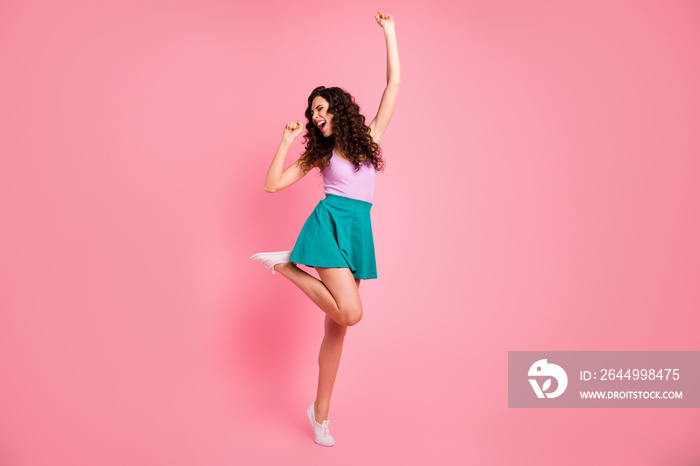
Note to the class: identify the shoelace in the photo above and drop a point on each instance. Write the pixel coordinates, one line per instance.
(324, 425)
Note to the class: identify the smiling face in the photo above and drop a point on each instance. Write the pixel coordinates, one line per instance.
(320, 116)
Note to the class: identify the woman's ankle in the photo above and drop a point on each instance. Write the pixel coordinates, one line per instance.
(283, 267)
(320, 414)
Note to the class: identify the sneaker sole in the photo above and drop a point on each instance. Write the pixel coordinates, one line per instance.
(267, 254)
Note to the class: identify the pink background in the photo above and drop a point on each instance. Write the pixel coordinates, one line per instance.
(541, 193)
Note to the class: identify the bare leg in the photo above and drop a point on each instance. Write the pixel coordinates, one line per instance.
(328, 362)
(337, 295)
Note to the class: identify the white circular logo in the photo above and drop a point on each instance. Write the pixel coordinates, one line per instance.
(543, 369)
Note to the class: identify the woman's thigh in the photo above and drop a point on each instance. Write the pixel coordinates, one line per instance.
(343, 286)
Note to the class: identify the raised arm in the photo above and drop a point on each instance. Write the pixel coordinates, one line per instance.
(393, 79)
(276, 178)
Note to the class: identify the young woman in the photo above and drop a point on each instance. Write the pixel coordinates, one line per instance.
(336, 239)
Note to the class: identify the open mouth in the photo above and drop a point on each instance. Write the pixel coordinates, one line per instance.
(322, 125)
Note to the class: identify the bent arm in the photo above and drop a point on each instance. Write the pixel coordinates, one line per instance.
(391, 92)
(277, 178)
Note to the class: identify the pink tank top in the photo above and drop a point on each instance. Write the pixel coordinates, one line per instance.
(340, 178)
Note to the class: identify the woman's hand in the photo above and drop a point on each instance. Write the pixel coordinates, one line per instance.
(384, 19)
(292, 130)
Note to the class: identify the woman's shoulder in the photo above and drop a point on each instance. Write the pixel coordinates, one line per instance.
(322, 162)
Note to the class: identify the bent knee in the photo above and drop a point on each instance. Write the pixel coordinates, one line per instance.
(352, 317)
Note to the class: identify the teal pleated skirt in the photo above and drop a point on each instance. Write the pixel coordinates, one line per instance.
(338, 233)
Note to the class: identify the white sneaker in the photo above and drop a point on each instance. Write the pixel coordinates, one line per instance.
(321, 434)
(270, 259)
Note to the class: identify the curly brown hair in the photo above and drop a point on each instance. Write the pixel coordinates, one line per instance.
(349, 131)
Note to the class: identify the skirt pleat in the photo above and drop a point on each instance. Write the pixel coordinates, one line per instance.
(338, 233)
